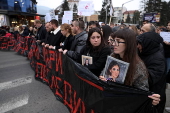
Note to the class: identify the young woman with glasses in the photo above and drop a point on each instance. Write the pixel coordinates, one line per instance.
(125, 49)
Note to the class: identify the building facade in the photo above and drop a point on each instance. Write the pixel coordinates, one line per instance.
(16, 12)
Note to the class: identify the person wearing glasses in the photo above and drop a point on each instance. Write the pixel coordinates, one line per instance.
(124, 44)
(97, 49)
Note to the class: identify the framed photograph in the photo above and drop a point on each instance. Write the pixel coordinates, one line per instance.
(115, 70)
(86, 60)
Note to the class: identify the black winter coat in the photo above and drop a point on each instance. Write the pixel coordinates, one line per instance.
(55, 39)
(166, 50)
(77, 44)
(155, 64)
(67, 41)
(153, 59)
(99, 58)
(41, 33)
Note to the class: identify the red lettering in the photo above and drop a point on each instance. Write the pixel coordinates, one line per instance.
(52, 55)
(59, 63)
(54, 84)
(78, 104)
(68, 95)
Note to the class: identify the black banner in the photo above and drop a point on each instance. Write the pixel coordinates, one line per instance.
(81, 91)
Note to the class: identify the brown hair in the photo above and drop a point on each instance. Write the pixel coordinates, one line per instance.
(134, 28)
(130, 54)
(37, 21)
(55, 22)
(88, 43)
(66, 27)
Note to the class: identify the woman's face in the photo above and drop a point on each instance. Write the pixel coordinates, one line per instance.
(114, 71)
(64, 32)
(119, 46)
(95, 39)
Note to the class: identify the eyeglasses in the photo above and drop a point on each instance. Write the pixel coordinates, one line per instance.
(116, 42)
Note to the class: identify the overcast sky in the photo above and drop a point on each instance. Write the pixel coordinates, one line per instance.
(133, 5)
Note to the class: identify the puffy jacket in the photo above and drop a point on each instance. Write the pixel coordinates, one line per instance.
(153, 59)
(77, 44)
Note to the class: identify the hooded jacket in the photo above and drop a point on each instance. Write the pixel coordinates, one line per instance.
(154, 60)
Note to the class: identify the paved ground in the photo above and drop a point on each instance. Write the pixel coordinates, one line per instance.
(21, 93)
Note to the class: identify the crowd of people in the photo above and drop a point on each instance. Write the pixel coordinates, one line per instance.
(141, 46)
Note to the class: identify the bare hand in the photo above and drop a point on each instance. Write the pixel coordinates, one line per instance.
(38, 41)
(47, 45)
(167, 43)
(156, 99)
(60, 50)
(51, 47)
(64, 52)
(102, 78)
(43, 44)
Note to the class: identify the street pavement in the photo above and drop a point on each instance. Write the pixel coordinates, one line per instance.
(21, 93)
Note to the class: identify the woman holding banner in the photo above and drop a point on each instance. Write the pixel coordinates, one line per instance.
(124, 44)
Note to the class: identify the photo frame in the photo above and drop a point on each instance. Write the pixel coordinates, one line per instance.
(115, 70)
(86, 60)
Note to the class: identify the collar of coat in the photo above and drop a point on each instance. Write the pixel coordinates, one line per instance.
(56, 30)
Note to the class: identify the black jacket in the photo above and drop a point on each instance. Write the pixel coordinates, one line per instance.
(67, 42)
(153, 59)
(166, 50)
(99, 58)
(41, 33)
(26, 32)
(77, 44)
(16, 33)
(54, 39)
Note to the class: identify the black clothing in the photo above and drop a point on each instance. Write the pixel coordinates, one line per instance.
(166, 50)
(77, 44)
(16, 33)
(31, 33)
(47, 37)
(41, 33)
(155, 63)
(99, 58)
(25, 32)
(67, 42)
(54, 39)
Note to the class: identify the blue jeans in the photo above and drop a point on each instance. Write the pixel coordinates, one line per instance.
(168, 64)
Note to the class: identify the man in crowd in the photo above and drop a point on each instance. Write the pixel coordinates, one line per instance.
(41, 33)
(55, 37)
(79, 39)
(48, 29)
(145, 22)
(151, 52)
(26, 30)
(93, 24)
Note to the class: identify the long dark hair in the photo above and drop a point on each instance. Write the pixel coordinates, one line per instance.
(106, 32)
(88, 43)
(130, 54)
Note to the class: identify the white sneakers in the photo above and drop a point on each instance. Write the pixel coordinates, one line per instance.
(167, 109)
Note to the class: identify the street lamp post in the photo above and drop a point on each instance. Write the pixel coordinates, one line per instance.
(122, 9)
